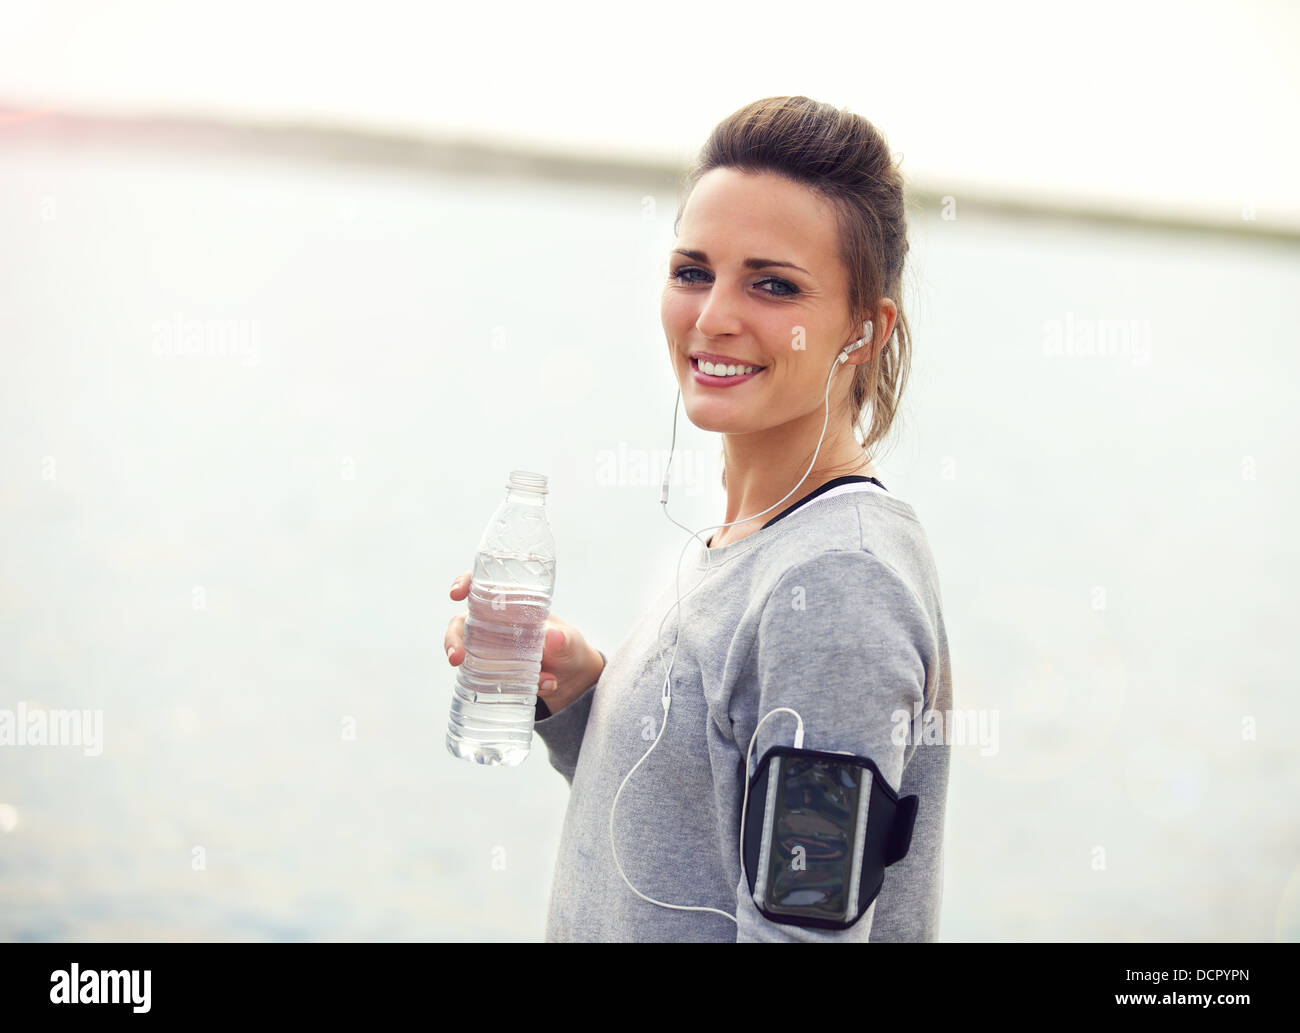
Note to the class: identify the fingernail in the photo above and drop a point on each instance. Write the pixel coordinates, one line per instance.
(455, 584)
(450, 651)
(548, 686)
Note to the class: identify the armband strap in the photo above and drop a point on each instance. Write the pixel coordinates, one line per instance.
(820, 830)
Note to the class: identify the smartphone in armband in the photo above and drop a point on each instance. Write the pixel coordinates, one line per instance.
(820, 830)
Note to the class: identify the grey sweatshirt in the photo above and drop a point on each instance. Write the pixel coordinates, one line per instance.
(833, 609)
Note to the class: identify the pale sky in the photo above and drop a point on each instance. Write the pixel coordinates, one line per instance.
(1185, 108)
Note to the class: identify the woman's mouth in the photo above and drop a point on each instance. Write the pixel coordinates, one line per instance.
(720, 378)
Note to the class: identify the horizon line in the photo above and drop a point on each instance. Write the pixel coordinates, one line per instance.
(499, 155)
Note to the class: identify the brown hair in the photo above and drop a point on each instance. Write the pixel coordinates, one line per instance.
(845, 159)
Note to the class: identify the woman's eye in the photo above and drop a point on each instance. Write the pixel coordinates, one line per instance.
(684, 270)
(784, 289)
(787, 288)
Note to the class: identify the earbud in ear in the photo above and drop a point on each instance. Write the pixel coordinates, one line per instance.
(850, 348)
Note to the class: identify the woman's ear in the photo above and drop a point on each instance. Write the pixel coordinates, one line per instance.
(886, 317)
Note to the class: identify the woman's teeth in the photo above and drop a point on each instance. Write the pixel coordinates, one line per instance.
(726, 371)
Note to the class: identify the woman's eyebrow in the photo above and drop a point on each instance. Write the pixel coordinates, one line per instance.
(749, 263)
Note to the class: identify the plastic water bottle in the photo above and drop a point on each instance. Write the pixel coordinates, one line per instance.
(494, 705)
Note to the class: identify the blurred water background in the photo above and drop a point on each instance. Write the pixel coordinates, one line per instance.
(242, 555)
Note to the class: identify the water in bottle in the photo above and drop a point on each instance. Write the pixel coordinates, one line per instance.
(495, 697)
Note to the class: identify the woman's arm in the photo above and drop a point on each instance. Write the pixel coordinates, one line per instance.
(563, 731)
(844, 641)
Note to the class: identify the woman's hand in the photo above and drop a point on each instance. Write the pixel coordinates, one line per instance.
(569, 665)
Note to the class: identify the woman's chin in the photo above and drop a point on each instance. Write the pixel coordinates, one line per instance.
(707, 417)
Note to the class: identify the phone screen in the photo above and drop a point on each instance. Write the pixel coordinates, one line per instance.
(814, 835)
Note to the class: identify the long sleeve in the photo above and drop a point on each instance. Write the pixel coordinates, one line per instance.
(563, 732)
(844, 641)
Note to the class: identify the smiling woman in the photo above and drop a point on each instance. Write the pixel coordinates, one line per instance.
(791, 234)
(791, 241)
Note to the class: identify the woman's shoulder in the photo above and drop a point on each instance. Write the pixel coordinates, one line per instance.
(867, 521)
(853, 539)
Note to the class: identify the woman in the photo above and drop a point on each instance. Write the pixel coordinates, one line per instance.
(790, 247)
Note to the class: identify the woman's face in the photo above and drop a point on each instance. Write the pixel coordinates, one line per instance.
(755, 277)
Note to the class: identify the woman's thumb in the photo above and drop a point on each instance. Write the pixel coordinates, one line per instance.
(557, 640)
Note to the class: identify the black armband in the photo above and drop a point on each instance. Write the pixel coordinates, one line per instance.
(820, 830)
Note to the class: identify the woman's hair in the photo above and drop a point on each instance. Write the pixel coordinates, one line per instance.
(845, 159)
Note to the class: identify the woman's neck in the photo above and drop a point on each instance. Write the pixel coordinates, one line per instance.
(758, 489)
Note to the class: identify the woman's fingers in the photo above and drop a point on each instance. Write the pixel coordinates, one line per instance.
(557, 643)
(460, 586)
(454, 639)
(554, 642)
(557, 654)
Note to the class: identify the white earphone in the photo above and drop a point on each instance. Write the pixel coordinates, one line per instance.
(849, 348)
(666, 698)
